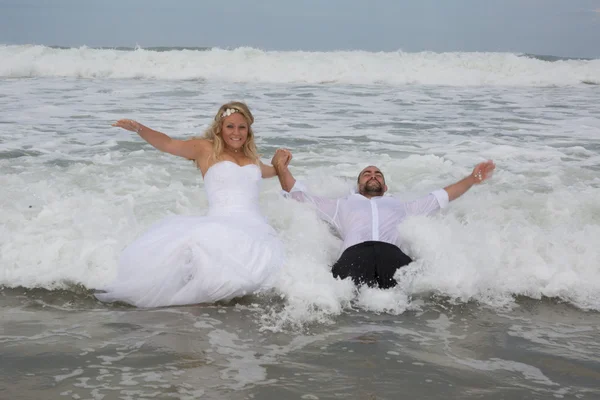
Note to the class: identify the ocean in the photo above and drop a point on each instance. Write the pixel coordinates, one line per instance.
(503, 298)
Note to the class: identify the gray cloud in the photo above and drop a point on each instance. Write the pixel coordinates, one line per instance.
(555, 27)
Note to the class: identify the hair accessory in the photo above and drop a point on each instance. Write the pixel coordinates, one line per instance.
(228, 112)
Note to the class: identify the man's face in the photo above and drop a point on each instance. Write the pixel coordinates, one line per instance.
(371, 182)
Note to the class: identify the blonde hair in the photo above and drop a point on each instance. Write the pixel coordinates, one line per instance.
(213, 133)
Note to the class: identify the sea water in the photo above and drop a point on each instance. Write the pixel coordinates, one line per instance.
(501, 301)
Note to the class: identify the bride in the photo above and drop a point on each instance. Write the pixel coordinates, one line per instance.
(231, 251)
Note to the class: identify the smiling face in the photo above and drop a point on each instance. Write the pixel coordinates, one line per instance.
(371, 182)
(234, 131)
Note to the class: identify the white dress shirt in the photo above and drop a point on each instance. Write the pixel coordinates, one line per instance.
(359, 219)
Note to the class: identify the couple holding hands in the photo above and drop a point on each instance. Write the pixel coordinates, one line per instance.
(233, 251)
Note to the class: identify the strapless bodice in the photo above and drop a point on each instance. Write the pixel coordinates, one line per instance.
(232, 189)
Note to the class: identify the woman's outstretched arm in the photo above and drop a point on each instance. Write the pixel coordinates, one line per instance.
(191, 149)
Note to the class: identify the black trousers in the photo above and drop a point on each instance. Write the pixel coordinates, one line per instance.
(371, 263)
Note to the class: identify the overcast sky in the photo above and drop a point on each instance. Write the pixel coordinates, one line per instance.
(547, 27)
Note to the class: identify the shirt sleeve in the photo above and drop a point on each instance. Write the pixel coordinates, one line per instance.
(328, 208)
(428, 204)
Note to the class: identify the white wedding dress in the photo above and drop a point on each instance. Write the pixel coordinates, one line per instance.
(228, 253)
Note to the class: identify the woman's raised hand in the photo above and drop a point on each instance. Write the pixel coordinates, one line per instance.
(129, 124)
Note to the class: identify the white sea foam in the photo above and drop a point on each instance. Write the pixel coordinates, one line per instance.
(75, 191)
(254, 65)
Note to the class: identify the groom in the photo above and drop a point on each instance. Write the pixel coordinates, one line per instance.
(367, 221)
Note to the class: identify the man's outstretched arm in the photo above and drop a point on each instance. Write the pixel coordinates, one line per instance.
(328, 208)
(440, 198)
(480, 173)
(280, 161)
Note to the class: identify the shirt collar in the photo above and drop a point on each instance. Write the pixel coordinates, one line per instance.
(363, 197)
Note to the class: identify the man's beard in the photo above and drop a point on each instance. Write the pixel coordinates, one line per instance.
(373, 188)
